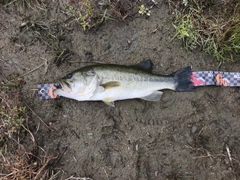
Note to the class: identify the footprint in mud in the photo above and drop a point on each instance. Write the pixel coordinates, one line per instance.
(89, 56)
(110, 150)
(168, 99)
(148, 161)
(149, 113)
(144, 113)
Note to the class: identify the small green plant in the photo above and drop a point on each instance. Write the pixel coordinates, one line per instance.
(91, 13)
(185, 30)
(215, 32)
(14, 81)
(233, 38)
(25, 165)
(144, 10)
(19, 163)
(12, 115)
(84, 12)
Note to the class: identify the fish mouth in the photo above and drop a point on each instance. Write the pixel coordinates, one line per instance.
(58, 85)
(64, 85)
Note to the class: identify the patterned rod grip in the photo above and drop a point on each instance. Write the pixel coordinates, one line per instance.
(45, 91)
(216, 78)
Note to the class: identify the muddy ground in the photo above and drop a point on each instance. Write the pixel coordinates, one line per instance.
(184, 136)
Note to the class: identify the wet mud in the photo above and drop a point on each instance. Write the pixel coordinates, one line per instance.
(183, 136)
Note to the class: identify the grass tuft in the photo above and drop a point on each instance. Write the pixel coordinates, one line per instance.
(23, 5)
(12, 115)
(25, 166)
(16, 161)
(215, 28)
(92, 13)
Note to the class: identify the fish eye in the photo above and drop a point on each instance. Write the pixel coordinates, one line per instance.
(69, 76)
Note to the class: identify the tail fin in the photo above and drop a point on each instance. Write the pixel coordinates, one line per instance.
(182, 78)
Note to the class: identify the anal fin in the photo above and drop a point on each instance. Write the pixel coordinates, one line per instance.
(155, 96)
(109, 101)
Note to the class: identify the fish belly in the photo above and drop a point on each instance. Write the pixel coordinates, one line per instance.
(131, 84)
(128, 90)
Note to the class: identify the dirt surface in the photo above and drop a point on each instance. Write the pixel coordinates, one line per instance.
(184, 136)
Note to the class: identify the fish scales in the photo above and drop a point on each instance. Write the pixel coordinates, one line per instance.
(109, 83)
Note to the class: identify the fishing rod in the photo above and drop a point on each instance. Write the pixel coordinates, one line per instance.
(198, 78)
(215, 78)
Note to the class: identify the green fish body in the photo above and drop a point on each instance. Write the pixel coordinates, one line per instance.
(109, 83)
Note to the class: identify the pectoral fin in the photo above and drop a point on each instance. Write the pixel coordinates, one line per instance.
(155, 96)
(110, 84)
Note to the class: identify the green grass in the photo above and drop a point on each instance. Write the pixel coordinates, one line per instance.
(92, 13)
(87, 13)
(16, 160)
(12, 115)
(23, 5)
(185, 30)
(215, 31)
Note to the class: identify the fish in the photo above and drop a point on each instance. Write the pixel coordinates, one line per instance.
(112, 82)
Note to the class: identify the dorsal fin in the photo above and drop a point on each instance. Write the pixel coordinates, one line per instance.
(145, 65)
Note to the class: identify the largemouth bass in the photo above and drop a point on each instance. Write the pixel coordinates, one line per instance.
(110, 82)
